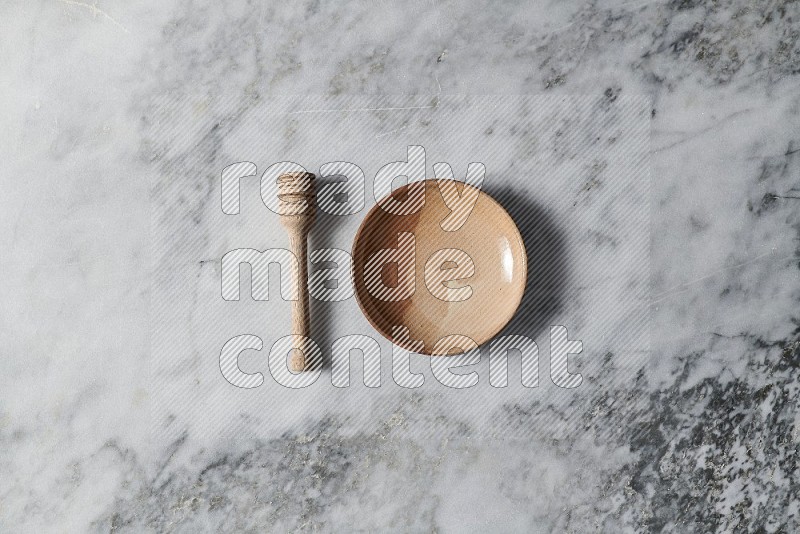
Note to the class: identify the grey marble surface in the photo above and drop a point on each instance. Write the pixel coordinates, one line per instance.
(107, 105)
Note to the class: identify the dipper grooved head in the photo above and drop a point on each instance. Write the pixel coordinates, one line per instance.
(296, 194)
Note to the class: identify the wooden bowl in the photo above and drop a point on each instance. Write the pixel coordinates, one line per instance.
(476, 306)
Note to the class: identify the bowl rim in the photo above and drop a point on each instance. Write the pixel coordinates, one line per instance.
(425, 350)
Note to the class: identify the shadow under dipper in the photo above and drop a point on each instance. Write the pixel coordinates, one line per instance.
(322, 236)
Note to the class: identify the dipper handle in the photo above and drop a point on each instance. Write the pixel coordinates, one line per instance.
(301, 318)
(298, 211)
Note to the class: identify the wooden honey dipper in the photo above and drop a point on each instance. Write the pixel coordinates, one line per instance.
(297, 209)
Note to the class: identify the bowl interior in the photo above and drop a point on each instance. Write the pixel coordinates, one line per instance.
(465, 283)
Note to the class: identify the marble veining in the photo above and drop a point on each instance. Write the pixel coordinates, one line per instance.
(704, 435)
